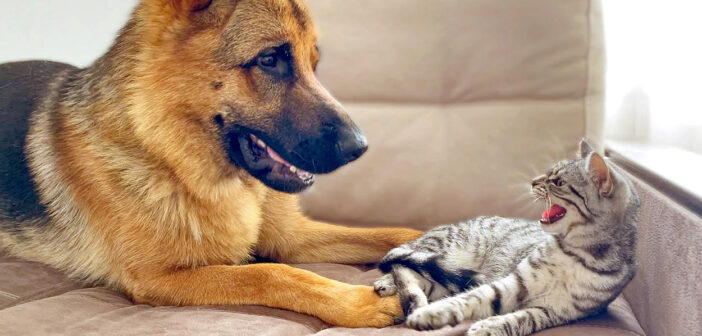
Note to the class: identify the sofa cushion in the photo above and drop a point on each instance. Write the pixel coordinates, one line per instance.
(22, 281)
(427, 165)
(462, 101)
(42, 302)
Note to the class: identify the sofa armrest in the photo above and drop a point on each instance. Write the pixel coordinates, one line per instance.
(666, 294)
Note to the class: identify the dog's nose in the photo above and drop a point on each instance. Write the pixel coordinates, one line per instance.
(337, 146)
(351, 144)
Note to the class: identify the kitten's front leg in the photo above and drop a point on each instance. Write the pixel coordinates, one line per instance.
(415, 291)
(411, 287)
(520, 323)
(444, 312)
(385, 286)
(484, 301)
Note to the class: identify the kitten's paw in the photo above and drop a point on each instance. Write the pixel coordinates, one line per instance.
(435, 316)
(492, 326)
(385, 286)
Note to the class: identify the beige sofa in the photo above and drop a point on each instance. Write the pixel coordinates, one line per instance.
(462, 101)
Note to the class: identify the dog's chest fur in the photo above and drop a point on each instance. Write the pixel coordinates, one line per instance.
(185, 231)
(124, 207)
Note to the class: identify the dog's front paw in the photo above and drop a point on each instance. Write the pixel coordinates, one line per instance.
(493, 326)
(361, 307)
(434, 316)
(385, 286)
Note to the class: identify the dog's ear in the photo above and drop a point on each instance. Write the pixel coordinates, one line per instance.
(190, 5)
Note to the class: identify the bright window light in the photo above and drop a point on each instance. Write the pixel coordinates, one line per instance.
(654, 72)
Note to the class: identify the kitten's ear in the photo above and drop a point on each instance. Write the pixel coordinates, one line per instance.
(600, 172)
(585, 148)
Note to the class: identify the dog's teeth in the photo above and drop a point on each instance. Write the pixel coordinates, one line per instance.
(293, 169)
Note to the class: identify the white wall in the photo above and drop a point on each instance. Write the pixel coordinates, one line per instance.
(71, 31)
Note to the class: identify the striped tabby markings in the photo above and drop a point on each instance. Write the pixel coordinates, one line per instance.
(583, 262)
(497, 301)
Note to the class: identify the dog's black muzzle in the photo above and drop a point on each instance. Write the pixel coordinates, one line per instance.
(336, 146)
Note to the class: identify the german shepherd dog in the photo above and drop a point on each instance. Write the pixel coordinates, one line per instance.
(165, 166)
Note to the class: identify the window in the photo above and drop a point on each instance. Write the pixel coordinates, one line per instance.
(654, 72)
(653, 121)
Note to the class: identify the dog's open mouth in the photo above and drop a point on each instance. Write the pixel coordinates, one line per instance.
(553, 214)
(252, 153)
(262, 151)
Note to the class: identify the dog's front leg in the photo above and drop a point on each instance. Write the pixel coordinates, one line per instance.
(271, 285)
(288, 236)
(308, 241)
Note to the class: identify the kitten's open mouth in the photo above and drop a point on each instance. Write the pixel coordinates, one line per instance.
(553, 214)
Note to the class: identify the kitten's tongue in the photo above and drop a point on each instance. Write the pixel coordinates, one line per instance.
(553, 214)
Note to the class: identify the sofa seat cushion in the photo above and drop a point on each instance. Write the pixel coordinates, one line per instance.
(37, 300)
(22, 281)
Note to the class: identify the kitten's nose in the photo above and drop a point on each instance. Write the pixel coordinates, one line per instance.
(538, 180)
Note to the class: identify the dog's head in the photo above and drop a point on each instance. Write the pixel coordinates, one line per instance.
(237, 77)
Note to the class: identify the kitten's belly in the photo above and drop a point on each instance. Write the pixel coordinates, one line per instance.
(503, 247)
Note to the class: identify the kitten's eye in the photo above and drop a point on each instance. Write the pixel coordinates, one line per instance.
(558, 181)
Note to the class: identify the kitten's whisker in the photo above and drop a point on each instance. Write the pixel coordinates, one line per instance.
(518, 186)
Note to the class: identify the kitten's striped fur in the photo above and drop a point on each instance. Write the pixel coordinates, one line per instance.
(514, 276)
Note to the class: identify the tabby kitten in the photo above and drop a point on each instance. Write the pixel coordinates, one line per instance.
(518, 276)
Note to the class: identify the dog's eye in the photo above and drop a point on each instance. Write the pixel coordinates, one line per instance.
(268, 61)
(276, 62)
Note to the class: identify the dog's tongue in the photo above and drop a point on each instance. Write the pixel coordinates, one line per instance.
(276, 157)
(553, 212)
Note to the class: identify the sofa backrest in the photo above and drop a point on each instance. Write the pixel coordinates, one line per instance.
(463, 102)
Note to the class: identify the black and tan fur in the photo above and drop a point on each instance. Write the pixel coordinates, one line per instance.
(127, 173)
